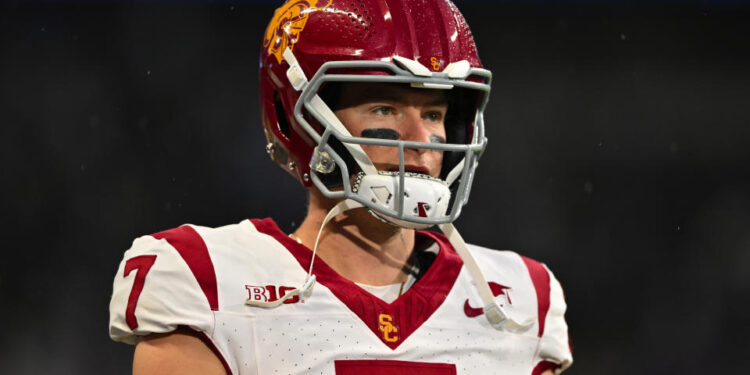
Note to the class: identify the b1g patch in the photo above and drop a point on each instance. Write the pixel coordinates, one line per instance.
(269, 293)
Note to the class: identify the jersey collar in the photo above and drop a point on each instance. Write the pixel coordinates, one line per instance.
(392, 322)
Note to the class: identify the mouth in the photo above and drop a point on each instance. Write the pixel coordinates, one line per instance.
(413, 169)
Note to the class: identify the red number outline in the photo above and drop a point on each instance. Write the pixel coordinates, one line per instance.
(143, 264)
(373, 367)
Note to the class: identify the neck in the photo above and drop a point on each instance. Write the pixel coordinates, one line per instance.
(357, 245)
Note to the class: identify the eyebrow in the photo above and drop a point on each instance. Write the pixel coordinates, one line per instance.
(438, 102)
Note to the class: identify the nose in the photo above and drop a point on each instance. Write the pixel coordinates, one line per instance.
(413, 127)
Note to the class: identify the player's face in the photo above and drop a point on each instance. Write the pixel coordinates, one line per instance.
(396, 112)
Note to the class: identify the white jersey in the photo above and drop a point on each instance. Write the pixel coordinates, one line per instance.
(201, 277)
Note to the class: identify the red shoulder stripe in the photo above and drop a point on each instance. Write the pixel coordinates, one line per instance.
(540, 278)
(193, 250)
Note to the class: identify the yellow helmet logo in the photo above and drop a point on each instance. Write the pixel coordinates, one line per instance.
(287, 24)
(435, 63)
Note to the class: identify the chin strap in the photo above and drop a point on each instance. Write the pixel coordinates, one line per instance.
(494, 313)
(359, 155)
(305, 290)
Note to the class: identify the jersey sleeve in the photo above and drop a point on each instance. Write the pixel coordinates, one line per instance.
(160, 285)
(554, 345)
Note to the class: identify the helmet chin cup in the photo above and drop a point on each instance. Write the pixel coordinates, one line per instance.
(423, 196)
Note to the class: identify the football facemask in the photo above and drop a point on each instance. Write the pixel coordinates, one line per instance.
(340, 168)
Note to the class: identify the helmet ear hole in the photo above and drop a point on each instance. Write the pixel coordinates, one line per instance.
(333, 180)
(280, 115)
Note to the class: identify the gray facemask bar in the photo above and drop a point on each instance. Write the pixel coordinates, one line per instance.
(465, 168)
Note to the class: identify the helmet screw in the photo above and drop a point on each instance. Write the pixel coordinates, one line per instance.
(324, 163)
(306, 177)
(291, 165)
(269, 148)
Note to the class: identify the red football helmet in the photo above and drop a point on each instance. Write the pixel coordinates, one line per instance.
(423, 43)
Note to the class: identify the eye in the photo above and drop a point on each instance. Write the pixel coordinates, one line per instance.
(383, 110)
(434, 116)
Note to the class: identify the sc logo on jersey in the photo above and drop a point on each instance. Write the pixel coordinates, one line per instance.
(386, 326)
(269, 293)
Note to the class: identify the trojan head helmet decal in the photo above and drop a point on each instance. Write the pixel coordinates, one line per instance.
(288, 22)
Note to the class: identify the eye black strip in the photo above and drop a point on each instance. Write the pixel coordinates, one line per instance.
(434, 138)
(382, 133)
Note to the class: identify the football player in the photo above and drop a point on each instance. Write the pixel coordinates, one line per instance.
(376, 106)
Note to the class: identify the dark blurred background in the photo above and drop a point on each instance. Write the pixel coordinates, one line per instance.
(619, 154)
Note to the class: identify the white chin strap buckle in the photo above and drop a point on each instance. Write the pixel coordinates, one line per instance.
(424, 196)
(495, 315)
(499, 319)
(307, 287)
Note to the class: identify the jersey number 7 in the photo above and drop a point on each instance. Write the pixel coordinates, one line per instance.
(143, 264)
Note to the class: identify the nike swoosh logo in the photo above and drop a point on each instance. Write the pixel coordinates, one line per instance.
(472, 311)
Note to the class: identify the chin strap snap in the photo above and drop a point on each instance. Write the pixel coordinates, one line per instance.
(305, 291)
(494, 313)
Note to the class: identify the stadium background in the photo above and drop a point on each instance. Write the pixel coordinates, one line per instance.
(619, 154)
